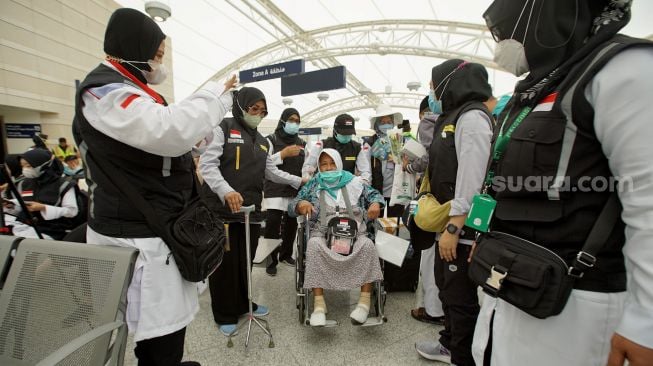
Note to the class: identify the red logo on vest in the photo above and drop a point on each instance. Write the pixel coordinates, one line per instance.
(547, 103)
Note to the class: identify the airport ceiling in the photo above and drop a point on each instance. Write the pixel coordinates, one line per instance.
(384, 45)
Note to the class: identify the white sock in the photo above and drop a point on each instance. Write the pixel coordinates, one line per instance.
(365, 299)
(319, 305)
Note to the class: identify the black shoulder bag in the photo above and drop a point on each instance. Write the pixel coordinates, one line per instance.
(196, 238)
(532, 277)
(527, 275)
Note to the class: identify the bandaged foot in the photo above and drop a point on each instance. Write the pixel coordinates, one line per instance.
(362, 310)
(318, 317)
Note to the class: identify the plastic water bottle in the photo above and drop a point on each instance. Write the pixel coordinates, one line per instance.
(412, 208)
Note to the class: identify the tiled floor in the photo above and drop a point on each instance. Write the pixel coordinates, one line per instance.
(388, 344)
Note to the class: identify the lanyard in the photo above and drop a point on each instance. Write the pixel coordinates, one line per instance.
(502, 142)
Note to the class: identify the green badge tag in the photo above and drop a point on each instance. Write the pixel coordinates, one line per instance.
(480, 214)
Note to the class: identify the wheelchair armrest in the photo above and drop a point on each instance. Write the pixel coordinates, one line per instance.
(72, 346)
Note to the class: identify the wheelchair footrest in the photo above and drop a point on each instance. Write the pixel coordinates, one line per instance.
(373, 322)
(329, 324)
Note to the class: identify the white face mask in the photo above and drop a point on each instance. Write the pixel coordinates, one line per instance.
(158, 74)
(31, 172)
(510, 55)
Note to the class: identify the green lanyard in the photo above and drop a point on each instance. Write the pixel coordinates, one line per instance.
(502, 142)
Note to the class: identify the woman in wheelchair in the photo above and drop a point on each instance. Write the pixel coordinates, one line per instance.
(339, 255)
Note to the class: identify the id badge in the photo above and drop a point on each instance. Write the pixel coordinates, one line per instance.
(480, 214)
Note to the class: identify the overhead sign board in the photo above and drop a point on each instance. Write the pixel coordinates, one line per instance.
(272, 71)
(22, 130)
(315, 81)
(310, 131)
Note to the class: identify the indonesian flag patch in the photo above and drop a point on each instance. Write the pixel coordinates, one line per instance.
(234, 134)
(547, 103)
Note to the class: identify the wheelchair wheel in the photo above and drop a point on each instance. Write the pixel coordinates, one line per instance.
(379, 291)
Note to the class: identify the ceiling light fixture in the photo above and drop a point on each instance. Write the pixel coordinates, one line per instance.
(414, 85)
(158, 10)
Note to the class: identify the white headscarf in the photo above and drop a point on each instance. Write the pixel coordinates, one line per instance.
(354, 187)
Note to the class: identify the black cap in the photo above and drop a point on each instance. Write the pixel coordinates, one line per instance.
(345, 125)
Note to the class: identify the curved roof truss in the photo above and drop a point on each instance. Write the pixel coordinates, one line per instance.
(357, 102)
(417, 37)
(414, 37)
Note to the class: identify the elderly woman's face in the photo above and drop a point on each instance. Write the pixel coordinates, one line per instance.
(326, 163)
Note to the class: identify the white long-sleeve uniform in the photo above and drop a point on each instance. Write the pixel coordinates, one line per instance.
(160, 301)
(621, 95)
(210, 168)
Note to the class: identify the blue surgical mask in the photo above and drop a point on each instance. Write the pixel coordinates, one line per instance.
(384, 128)
(291, 128)
(343, 139)
(69, 171)
(331, 177)
(434, 104)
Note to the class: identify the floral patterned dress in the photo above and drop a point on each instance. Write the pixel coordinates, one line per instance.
(325, 268)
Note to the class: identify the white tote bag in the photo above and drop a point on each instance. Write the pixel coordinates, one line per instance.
(403, 187)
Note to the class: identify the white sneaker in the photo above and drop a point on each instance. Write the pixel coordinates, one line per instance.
(360, 313)
(434, 351)
(318, 319)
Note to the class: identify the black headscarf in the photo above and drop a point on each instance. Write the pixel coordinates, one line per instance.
(457, 82)
(51, 171)
(13, 162)
(561, 33)
(286, 138)
(132, 36)
(424, 104)
(245, 98)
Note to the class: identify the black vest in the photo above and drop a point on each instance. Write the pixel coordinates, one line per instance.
(348, 152)
(165, 182)
(562, 142)
(242, 165)
(292, 165)
(377, 167)
(443, 161)
(51, 194)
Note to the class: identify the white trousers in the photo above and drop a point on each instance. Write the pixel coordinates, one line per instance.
(578, 336)
(427, 292)
(159, 300)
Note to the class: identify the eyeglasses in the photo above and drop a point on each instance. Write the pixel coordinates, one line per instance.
(255, 111)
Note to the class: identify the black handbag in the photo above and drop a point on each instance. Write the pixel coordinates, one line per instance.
(195, 238)
(530, 276)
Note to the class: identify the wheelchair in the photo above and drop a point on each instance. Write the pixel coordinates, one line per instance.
(303, 299)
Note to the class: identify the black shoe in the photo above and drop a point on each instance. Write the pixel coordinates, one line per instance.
(288, 261)
(190, 363)
(272, 271)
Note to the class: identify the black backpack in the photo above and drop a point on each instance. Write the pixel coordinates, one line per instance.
(82, 204)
